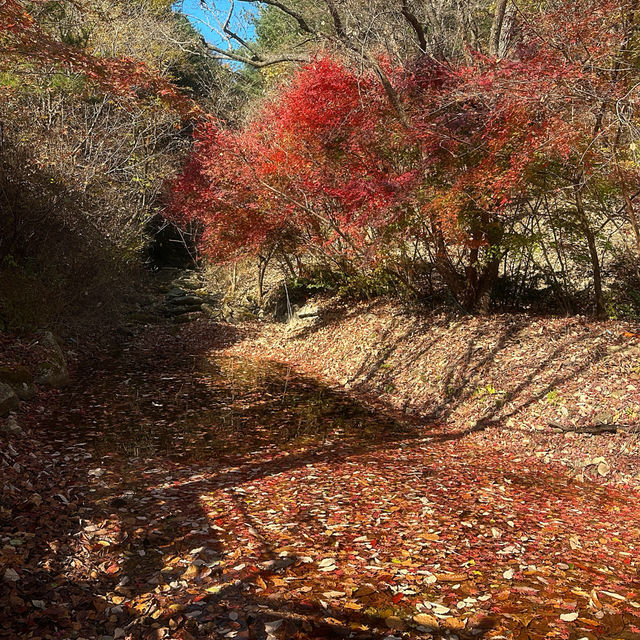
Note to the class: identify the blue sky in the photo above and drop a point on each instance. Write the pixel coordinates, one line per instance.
(199, 17)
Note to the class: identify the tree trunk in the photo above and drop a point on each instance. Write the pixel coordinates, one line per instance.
(234, 278)
(473, 289)
(262, 268)
(631, 213)
(496, 27)
(479, 286)
(593, 250)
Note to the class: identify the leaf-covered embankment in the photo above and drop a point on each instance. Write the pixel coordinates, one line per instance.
(509, 381)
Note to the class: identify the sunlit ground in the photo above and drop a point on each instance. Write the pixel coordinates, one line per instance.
(232, 498)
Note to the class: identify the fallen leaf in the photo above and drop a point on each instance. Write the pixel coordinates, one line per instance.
(569, 617)
(426, 620)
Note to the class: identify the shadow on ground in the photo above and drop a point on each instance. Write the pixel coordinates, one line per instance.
(174, 459)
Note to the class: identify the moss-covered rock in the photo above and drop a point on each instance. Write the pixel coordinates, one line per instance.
(15, 375)
(8, 399)
(20, 379)
(52, 370)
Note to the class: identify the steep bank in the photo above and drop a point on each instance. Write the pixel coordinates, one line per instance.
(516, 381)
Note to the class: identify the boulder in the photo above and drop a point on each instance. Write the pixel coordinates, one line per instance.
(11, 426)
(179, 310)
(15, 374)
(176, 292)
(8, 399)
(308, 311)
(25, 391)
(142, 317)
(52, 371)
(20, 379)
(191, 280)
(186, 300)
(211, 311)
(188, 317)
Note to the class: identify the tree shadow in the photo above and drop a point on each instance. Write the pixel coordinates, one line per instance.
(471, 369)
(138, 504)
(166, 540)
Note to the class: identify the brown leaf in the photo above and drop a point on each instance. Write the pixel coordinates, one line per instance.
(426, 620)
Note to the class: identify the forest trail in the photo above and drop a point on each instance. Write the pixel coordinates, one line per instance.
(179, 493)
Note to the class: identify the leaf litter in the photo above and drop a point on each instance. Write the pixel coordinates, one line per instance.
(258, 503)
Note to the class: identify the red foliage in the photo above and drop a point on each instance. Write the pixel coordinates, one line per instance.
(22, 38)
(321, 161)
(328, 160)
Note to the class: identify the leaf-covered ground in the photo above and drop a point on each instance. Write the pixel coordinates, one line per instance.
(503, 380)
(178, 492)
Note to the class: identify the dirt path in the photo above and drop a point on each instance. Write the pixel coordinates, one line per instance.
(176, 494)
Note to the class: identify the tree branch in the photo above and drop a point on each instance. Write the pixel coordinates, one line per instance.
(299, 18)
(415, 24)
(232, 34)
(255, 61)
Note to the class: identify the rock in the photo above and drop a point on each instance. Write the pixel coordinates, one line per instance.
(180, 310)
(15, 374)
(53, 370)
(176, 292)
(211, 312)
(11, 426)
(20, 379)
(11, 575)
(8, 399)
(245, 315)
(186, 300)
(26, 392)
(308, 311)
(190, 281)
(188, 317)
(604, 417)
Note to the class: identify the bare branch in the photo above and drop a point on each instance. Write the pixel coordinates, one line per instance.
(232, 34)
(415, 24)
(255, 61)
(302, 23)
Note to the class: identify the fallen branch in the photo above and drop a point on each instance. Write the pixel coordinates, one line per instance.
(594, 429)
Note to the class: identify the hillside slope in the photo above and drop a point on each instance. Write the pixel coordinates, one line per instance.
(516, 380)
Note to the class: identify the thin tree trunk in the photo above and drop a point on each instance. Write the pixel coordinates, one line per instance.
(262, 268)
(593, 250)
(234, 278)
(631, 213)
(628, 200)
(496, 27)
